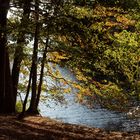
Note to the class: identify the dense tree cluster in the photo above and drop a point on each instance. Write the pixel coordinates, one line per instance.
(98, 40)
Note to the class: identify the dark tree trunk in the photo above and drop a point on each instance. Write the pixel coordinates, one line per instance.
(7, 103)
(22, 114)
(32, 108)
(41, 73)
(19, 49)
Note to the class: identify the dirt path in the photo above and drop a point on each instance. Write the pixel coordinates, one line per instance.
(39, 128)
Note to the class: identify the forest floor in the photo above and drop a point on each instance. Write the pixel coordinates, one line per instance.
(40, 128)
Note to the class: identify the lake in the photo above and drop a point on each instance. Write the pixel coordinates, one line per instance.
(75, 113)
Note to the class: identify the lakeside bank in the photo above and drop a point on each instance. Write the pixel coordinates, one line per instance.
(44, 128)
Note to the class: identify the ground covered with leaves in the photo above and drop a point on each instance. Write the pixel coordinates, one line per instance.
(40, 128)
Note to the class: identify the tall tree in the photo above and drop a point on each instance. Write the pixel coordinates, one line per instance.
(32, 107)
(18, 56)
(7, 103)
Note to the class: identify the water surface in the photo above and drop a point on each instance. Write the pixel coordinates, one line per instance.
(75, 113)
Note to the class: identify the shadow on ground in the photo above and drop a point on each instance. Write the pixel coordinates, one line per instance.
(40, 128)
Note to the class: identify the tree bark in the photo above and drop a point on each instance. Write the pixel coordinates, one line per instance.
(7, 103)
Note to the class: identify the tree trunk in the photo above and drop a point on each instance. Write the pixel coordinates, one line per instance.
(32, 108)
(41, 73)
(22, 114)
(7, 103)
(19, 49)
